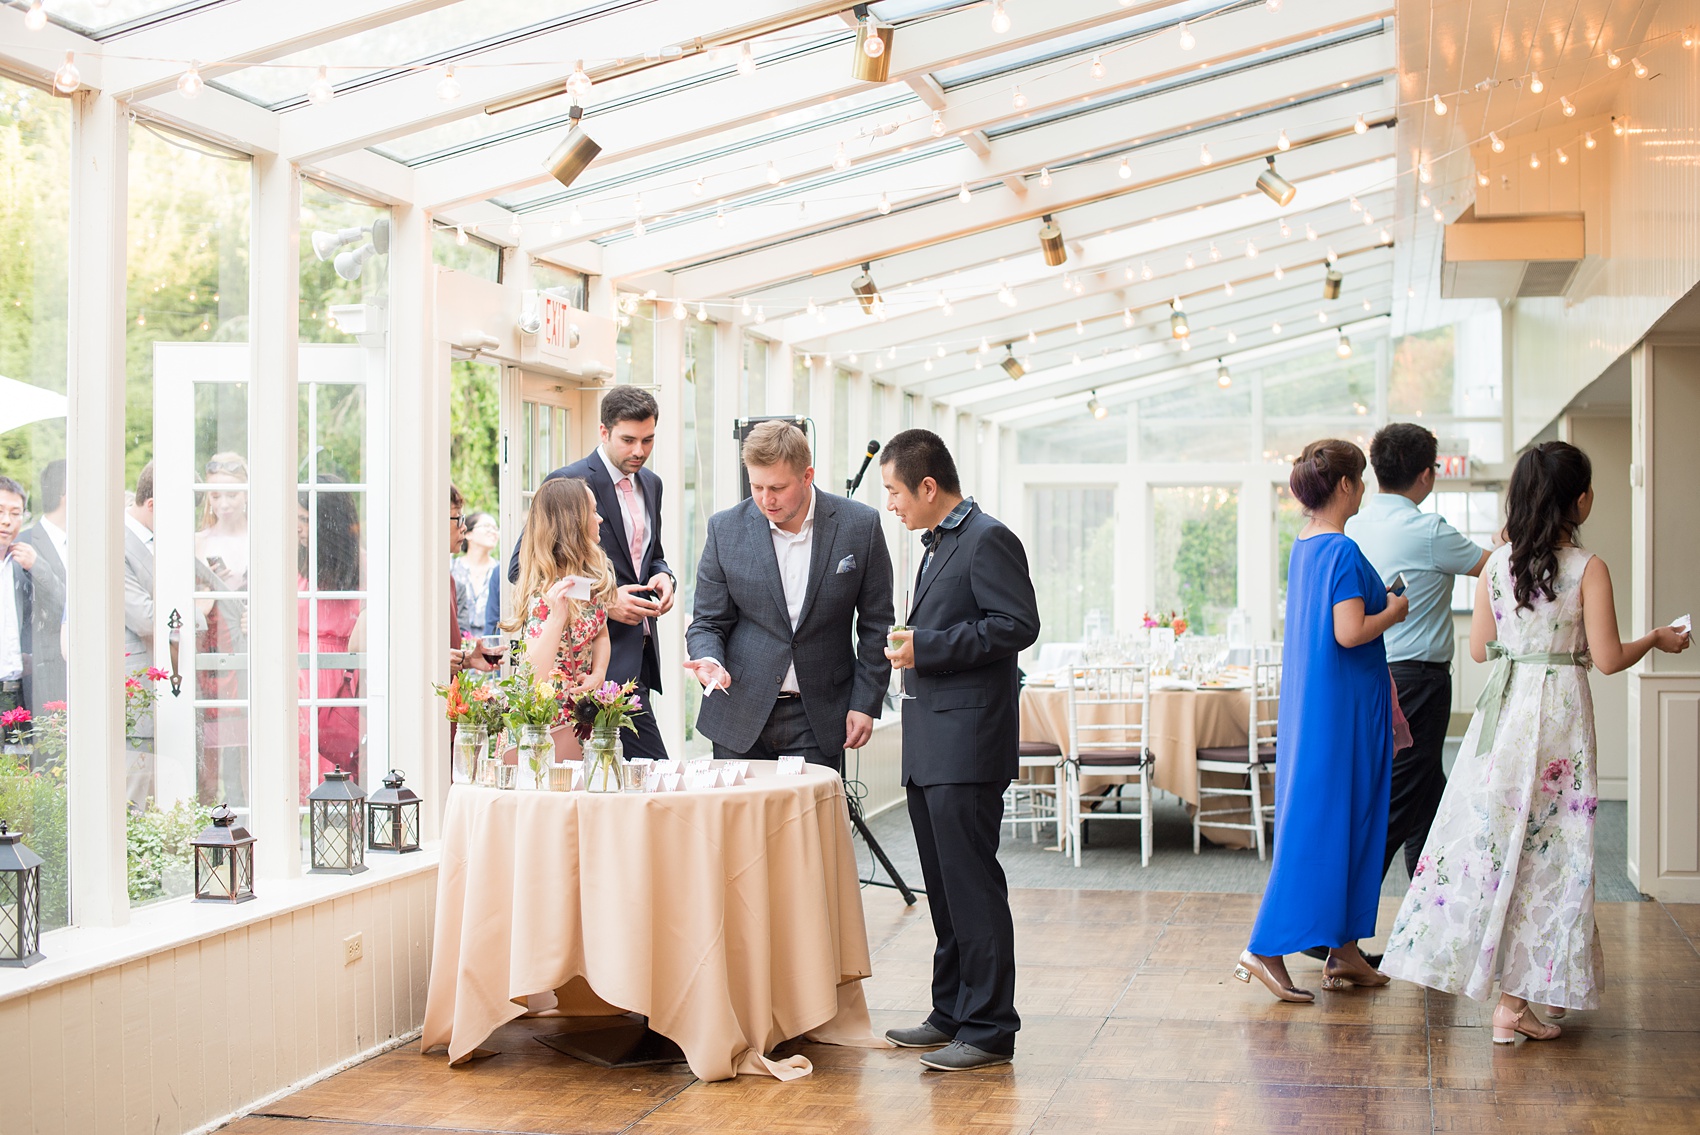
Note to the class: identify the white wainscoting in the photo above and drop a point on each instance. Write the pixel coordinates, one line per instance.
(879, 766)
(1664, 850)
(182, 1038)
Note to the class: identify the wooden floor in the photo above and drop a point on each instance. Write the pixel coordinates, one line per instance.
(1131, 1023)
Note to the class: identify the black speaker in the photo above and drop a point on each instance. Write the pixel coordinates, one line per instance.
(741, 430)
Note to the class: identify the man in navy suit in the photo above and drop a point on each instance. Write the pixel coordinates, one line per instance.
(974, 611)
(629, 498)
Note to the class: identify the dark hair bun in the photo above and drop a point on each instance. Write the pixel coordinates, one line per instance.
(1320, 469)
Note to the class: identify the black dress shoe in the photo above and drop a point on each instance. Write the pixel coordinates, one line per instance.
(959, 1057)
(1320, 953)
(921, 1036)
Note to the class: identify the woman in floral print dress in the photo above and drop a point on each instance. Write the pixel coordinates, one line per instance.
(1505, 886)
(564, 638)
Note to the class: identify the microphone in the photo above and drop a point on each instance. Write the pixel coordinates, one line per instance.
(856, 482)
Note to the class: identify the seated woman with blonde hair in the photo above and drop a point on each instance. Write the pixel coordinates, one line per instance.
(564, 636)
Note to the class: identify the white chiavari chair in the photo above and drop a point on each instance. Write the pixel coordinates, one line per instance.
(1109, 708)
(1250, 761)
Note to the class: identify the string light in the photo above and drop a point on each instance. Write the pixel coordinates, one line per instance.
(1534, 161)
(1272, 5)
(679, 311)
(320, 90)
(812, 308)
(1190, 263)
(1386, 237)
(1424, 174)
(1535, 83)
(1127, 317)
(1019, 100)
(1124, 171)
(872, 45)
(1044, 177)
(746, 60)
(1310, 233)
(1439, 104)
(1588, 142)
(1250, 250)
(938, 125)
(1223, 378)
(1359, 126)
(36, 18)
(1187, 41)
(574, 218)
(1079, 327)
(1145, 272)
(190, 84)
(884, 205)
(1227, 287)
(1204, 157)
(761, 316)
(1097, 67)
(1497, 144)
(1286, 229)
(840, 160)
(1215, 253)
(1481, 179)
(746, 307)
(515, 229)
(1282, 143)
(1353, 204)
(1613, 60)
(702, 312)
(1280, 272)
(1000, 18)
(940, 350)
(985, 347)
(963, 195)
(1275, 328)
(1640, 68)
(460, 235)
(1032, 336)
(1563, 158)
(772, 174)
(1439, 217)
(578, 83)
(638, 229)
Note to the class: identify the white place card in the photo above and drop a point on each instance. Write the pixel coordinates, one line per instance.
(1685, 624)
(743, 771)
(790, 766)
(699, 764)
(707, 778)
(667, 766)
(670, 782)
(728, 775)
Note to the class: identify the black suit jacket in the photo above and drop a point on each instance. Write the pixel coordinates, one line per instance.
(974, 611)
(631, 653)
(23, 598)
(47, 581)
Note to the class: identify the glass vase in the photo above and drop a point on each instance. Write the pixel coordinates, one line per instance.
(536, 753)
(603, 765)
(471, 748)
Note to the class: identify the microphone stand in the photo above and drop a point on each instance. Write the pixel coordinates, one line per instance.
(897, 884)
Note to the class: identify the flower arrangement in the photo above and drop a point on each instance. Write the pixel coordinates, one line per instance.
(140, 695)
(532, 700)
(473, 703)
(608, 708)
(1174, 620)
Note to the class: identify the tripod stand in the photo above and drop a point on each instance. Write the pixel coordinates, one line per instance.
(856, 819)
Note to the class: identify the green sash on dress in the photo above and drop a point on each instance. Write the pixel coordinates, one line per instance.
(1499, 683)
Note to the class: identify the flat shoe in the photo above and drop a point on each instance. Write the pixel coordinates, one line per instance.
(921, 1036)
(959, 1057)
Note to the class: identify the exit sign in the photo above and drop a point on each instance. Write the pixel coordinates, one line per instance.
(1454, 465)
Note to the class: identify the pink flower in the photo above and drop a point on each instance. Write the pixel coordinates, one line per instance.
(156, 674)
(542, 609)
(12, 717)
(54, 706)
(1424, 864)
(132, 684)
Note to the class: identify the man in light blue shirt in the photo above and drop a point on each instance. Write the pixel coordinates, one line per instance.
(1398, 539)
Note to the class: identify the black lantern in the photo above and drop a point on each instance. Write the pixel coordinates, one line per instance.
(20, 901)
(337, 826)
(392, 817)
(224, 860)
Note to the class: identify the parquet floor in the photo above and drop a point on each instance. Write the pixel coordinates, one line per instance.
(1131, 1023)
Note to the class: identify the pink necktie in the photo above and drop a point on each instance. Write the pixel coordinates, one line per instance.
(634, 518)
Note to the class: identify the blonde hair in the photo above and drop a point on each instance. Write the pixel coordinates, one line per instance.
(560, 540)
(774, 442)
(219, 464)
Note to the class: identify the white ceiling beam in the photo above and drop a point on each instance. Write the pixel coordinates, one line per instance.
(217, 117)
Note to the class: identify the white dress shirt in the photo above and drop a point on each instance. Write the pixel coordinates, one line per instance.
(11, 645)
(142, 531)
(625, 517)
(793, 553)
(57, 535)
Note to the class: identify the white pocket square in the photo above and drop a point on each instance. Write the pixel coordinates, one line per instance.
(847, 564)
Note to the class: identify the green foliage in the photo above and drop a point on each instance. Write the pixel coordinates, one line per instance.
(34, 803)
(157, 845)
(1420, 379)
(1201, 578)
(530, 700)
(474, 433)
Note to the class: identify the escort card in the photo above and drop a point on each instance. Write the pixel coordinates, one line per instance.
(790, 766)
(578, 774)
(728, 775)
(699, 764)
(666, 766)
(707, 778)
(670, 781)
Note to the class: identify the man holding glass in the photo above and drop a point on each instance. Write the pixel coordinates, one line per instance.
(974, 610)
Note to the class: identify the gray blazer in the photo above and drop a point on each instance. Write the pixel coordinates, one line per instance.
(741, 618)
(48, 668)
(138, 602)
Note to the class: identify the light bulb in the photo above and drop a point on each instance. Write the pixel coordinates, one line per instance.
(1275, 328)
(679, 311)
(1280, 272)
(1568, 107)
(1097, 67)
(872, 45)
(1005, 296)
(1019, 100)
(746, 60)
(697, 187)
(1044, 177)
(746, 307)
(1145, 272)
(1369, 218)
(1617, 126)
(1613, 60)
(1640, 68)
(1344, 347)
(460, 235)
(638, 228)
(811, 308)
(1124, 171)
(963, 195)
(1424, 173)
(36, 18)
(1223, 378)
(1127, 317)
(1496, 142)
(761, 316)
(1310, 233)
(1190, 262)
(578, 83)
(927, 365)
(1386, 237)
(515, 229)
(1481, 179)
(1286, 229)
(1227, 287)
(1250, 250)
(940, 349)
(1535, 83)
(448, 87)
(1422, 199)
(772, 174)
(840, 160)
(938, 125)
(1359, 126)
(67, 79)
(1232, 338)
(1355, 206)
(1588, 142)
(702, 312)
(985, 347)
(1439, 105)
(1079, 327)
(1215, 253)
(1534, 161)
(1000, 18)
(1282, 143)
(1688, 37)
(1204, 157)
(885, 205)
(1439, 217)
(1188, 41)
(1366, 305)
(1563, 158)
(190, 84)
(320, 90)
(1272, 5)
(1322, 317)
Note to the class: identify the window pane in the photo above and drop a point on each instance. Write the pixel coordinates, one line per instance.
(187, 434)
(1196, 422)
(1086, 441)
(470, 255)
(568, 285)
(634, 348)
(841, 380)
(800, 385)
(700, 434)
(1195, 551)
(475, 433)
(34, 218)
(1073, 561)
(1477, 515)
(755, 376)
(1289, 522)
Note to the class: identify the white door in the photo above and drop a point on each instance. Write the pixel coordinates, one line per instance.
(537, 439)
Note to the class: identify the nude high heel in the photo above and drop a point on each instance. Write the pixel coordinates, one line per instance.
(1251, 965)
(1507, 1024)
(1337, 975)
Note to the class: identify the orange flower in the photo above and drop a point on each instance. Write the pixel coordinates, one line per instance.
(1180, 626)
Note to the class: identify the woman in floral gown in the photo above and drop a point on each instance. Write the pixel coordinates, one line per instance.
(565, 638)
(1504, 890)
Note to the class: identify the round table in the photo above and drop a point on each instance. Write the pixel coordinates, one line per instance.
(1183, 721)
(731, 917)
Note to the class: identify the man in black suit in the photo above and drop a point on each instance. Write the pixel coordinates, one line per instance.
(629, 498)
(47, 537)
(793, 597)
(974, 611)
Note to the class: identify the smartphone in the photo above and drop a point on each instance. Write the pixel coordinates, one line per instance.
(1398, 586)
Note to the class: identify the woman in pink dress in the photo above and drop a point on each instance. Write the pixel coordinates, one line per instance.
(564, 637)
(330, 626)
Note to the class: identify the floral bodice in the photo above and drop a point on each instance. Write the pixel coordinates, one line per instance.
(1550, 624)
(575, 656)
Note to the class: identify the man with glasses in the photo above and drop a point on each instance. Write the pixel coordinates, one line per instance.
(459, 658)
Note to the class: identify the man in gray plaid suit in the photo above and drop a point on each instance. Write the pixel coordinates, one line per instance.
(793, 602)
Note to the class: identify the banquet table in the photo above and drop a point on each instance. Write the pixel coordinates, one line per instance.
(730, 917)
(1182, 722)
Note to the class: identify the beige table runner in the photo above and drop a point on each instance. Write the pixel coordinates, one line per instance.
(731, 918)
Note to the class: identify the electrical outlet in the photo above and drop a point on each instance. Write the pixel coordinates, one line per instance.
(353, 948)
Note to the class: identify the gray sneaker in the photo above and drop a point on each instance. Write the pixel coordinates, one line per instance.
(921, 1036)
(959, 1057)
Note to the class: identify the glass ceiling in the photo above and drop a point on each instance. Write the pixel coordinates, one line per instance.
(107, 17)
(1064, 46)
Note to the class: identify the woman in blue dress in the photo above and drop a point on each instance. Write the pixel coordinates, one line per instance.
(1334, 740)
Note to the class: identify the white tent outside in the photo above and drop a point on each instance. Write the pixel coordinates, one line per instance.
(22, 404)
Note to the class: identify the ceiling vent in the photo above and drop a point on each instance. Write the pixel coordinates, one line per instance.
(1510, 257)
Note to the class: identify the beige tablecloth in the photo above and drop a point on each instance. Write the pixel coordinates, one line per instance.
(1182, 722)
(731, 918)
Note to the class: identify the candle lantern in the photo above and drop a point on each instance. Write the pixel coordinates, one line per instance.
(392, 816)
(224, 860)
(20, 901)
(336, 819)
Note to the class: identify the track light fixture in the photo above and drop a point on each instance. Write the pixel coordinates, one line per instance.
(871, 61)
(1051, 242)
(576, 151)
(1177, 321)
(1331, 284)
(1277, 188)
(1344, 347)
(867, 292)
(1096, 408)
(1009, 364)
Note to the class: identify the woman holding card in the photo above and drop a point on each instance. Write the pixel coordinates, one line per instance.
(565, 587)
